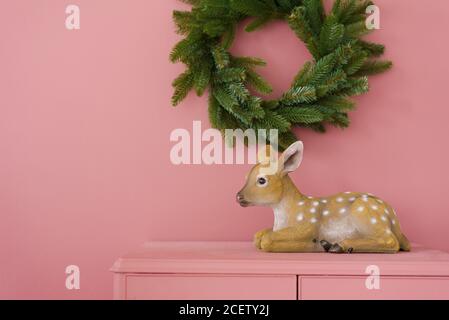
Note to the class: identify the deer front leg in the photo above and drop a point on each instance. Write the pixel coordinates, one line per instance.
(258, 237)
(293, 239)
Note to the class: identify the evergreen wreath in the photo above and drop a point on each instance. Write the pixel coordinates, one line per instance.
(320, 92)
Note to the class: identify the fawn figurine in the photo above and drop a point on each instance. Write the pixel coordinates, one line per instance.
(344, 223)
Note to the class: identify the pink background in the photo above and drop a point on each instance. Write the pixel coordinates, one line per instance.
(85, 119)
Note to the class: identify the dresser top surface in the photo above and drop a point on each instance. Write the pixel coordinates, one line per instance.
(243, 257)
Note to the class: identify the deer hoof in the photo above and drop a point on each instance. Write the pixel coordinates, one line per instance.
(326, 245)
(336, 248)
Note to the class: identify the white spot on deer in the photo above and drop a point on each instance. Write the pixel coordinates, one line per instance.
(374, 207)
(342, 210)
(348, 192)
(352, 199)
(316, 203)
(393, 221)
(300, 217)
(313, 220)
(326, 212)
(360, 209)
(388, 231)
(386, 211)
(301, 203)
(324, 201)
(313, 210)
(380, 201)
(340, 199)
(383, 218)
(373, 220)
(365, 198)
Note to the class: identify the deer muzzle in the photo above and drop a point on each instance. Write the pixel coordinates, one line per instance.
(241, 200)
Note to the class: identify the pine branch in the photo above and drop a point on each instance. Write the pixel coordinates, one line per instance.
(356, 62)
(298, 22)
(253, 78)
(188, 49)
(254, 106)
(272, 120)
(337, 103)
(229, 36)
(202, 77)
(374, 49)
(314, 11)
(182, 84)
(345, 9)
(298, 95)
(258, 23)
(248, 62)
(231, 105)
(226, 100)
(221, 57)
(270, 104)
(230, 75)
(340, 120)
(215, 112)
(257, 82)
(322, 69)
(331, 35)
(238, 90)
(373, 67)
(356, 30)
(184, 21)
(304, 75)
(355, 87)
(332, 84)
(252, 8)
(297, 115)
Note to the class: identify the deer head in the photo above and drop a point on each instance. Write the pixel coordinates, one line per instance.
(265, 189)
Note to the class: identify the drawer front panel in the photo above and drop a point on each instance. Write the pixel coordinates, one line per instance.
(210, 287)
(349, 287)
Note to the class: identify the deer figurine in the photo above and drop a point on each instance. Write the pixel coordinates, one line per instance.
(344, 223)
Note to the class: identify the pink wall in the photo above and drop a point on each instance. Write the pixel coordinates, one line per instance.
(85, 119)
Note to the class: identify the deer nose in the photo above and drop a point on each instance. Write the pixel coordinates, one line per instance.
(239, 197)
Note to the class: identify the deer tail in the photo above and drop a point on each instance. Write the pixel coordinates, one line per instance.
(404, 244)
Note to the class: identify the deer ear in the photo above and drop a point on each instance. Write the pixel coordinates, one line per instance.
(291, 159)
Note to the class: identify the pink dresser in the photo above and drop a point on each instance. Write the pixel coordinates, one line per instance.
(237, 271)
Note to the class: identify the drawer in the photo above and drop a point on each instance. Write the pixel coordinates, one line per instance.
(352, 287)
(210, 287)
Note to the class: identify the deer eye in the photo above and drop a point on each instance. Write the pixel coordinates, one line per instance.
(262, 181)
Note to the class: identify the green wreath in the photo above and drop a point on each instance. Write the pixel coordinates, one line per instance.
(320, 92)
